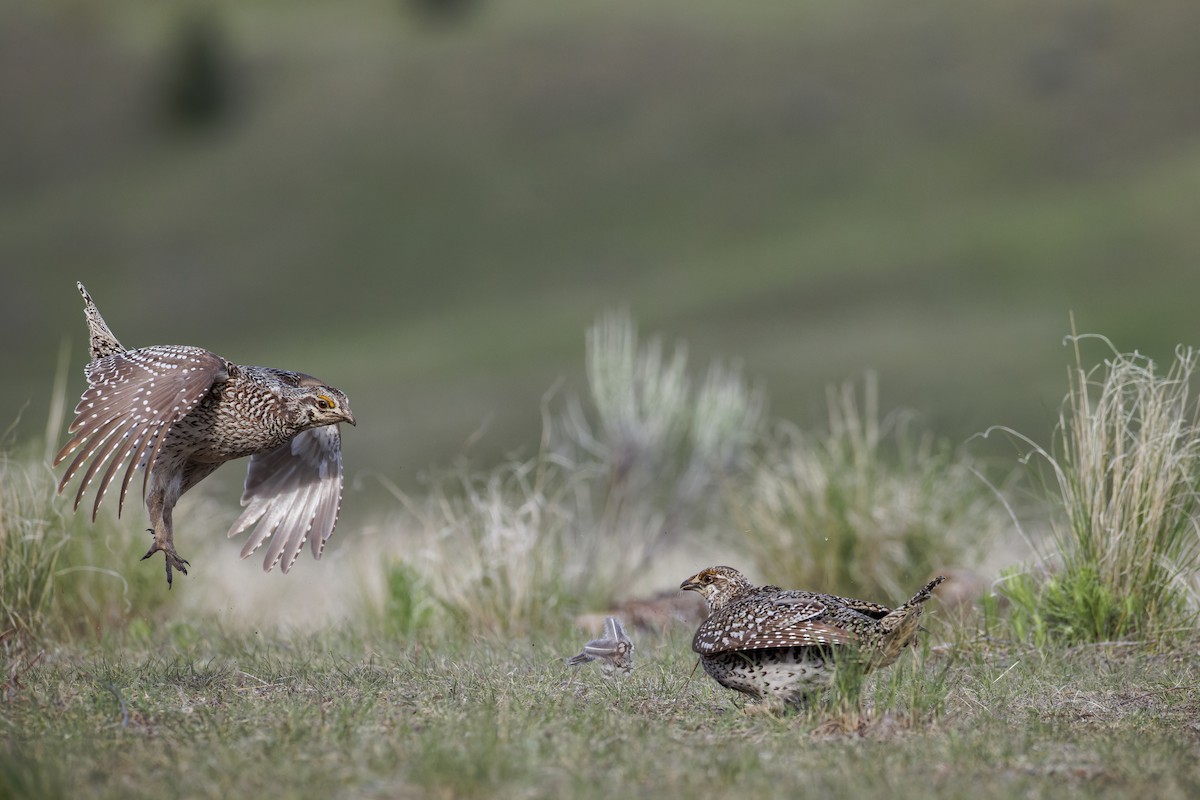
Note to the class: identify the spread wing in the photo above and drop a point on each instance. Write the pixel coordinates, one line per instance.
(785, 620)
(291, 492)
(133, 399)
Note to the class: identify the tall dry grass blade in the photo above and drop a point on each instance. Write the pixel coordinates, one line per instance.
(620, 477)
(866, 506)
(1123, 556)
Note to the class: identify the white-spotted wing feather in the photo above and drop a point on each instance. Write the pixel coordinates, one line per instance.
(291, 493)
(788, 620)
(133, 399)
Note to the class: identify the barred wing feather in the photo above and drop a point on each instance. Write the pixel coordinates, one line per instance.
(133, 399)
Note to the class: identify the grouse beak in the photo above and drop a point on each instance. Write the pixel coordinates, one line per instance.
(690, 585)
(348, 416)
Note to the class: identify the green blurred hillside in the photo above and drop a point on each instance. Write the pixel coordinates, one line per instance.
(430, 215)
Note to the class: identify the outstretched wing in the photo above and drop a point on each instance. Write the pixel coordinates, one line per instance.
(785, 620)
(133, 399)
(291, 492)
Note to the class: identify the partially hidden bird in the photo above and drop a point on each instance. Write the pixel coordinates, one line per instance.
(613, 650)
(782, 645)
(178, 412)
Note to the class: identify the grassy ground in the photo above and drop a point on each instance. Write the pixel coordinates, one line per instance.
(442, 672)
(197, 712)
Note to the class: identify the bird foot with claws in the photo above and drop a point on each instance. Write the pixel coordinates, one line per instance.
(172, 558)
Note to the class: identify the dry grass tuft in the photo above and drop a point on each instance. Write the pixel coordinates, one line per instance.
(1123, 556)
(615, 484)
(868, 507)
(32, 538)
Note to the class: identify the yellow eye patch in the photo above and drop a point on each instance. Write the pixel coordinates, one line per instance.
(325, 402)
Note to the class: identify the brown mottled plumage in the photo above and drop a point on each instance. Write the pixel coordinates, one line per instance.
(780, 644)
(179, 412)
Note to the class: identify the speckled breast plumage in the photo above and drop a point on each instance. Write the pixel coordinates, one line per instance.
(788, 674)
(238, 417)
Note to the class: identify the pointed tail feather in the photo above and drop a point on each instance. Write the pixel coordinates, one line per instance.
(901, 626)
(923, 595)
(102, 341)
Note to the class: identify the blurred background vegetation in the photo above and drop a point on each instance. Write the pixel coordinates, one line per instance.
(427, 203)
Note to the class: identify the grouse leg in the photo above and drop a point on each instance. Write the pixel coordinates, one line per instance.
(164, 533)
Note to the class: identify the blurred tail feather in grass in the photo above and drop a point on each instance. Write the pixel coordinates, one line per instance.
(613, 651)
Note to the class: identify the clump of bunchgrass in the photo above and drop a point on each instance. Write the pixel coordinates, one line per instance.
(1123, 552)
(32, 533)
(32, 538)
(615, 483)
(840, 706)
(908, 694)
(867, 506)
(916, 688)
(493, 546)
(656, 456)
